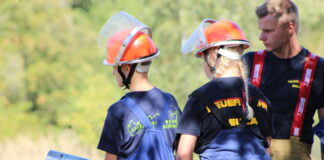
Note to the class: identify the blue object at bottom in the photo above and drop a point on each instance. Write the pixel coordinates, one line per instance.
(234, 144)
(55, 155)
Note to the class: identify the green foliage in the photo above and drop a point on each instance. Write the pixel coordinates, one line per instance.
(51, 73)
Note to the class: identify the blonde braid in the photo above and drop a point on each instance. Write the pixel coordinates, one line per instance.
(242, 68)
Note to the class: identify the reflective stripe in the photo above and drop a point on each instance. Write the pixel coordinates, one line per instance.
(256, 72)
(296, 131)
(304, 93)
(301, 105)
(257, 68)
(308, 76)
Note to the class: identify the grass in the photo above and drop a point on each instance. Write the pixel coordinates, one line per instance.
(28, 148)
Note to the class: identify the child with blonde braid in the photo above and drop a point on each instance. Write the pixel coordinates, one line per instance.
(226, 118)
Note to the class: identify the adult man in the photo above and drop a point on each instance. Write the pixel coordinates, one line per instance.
(290, 76)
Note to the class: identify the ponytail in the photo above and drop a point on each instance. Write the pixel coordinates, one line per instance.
(249, 113)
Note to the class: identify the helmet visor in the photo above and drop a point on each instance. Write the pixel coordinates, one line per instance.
(197, 39)
(119, 22)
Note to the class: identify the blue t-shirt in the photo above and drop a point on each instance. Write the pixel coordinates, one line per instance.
(213, 139)
(280, 82)
(122, 131)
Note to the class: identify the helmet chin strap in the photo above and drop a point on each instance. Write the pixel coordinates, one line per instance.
(127, 80)
(211, 68)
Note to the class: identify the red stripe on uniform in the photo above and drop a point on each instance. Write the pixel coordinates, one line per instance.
(304, 93)
(257, 67)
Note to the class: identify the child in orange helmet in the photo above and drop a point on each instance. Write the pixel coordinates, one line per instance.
(226, 118)
(142, 124)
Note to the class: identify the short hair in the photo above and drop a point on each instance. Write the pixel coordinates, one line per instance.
(285, 11)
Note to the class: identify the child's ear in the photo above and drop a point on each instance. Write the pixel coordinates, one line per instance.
(126, 68)
(214, 53)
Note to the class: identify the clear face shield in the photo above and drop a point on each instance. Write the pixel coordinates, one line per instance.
(197, 40)
(120, 22)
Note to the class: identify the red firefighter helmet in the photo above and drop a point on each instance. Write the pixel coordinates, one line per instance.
(125, 47)
(125, 40)
(212, 33)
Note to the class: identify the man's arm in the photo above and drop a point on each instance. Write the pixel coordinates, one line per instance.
(110, 156)
(186, 147)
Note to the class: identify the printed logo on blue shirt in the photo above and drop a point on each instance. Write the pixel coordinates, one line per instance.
(172, 122)
(135, 128)
(153, 118)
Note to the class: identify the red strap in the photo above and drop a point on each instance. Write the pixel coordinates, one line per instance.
(257, 67)
(304, 93)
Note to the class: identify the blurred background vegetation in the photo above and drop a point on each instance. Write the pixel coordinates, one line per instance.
(54, 90)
